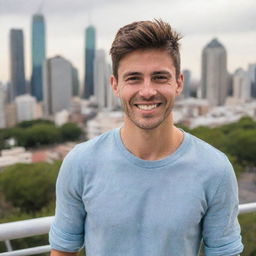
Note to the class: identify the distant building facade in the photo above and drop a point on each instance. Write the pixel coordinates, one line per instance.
(25, 107)
(90, 45)
(2, 107)
(10, 114)
(18, 83)
(252, 79)
(75, 82)
(57, 84)
(214, 76)
(186, 84)
(113, 102)
(241, 88)
(38, 55)
(101, 83)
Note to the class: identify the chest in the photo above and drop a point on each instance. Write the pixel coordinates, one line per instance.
(144, 202)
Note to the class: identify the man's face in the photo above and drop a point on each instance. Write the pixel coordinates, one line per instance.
(147, 87)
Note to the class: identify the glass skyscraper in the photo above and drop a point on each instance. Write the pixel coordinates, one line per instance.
(89, 60)
(18, 83)
(38, 55)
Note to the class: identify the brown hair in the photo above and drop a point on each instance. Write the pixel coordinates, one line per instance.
(145, 35)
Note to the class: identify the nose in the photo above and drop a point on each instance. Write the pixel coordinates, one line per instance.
(147, 90)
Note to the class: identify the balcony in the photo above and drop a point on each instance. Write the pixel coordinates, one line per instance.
(40, 226)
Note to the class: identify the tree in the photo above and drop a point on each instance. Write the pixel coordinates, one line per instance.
(70, 132)
(29, 187)
(42, 134)
(242, 144)
(26, 124)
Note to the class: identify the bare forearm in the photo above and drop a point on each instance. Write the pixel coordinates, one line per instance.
(60, 253)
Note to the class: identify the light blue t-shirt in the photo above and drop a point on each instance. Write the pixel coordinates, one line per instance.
(116, 204)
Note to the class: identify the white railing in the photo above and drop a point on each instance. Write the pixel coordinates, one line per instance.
(40, 226)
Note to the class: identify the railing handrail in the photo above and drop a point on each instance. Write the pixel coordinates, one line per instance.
(40, 226)
(246, 208)
(25, 228)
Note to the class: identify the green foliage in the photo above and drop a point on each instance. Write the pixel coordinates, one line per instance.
(245, 123)
(26, 124)
(242, 144)
(70, 132)
(237, 140)
(30, 192)
(211, 135)
(29, 187)
(39, 132)
(42, 134)
(248, 227)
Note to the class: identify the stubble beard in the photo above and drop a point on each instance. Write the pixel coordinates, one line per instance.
(146, 124)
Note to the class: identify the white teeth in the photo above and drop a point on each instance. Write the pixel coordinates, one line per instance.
(147, 107)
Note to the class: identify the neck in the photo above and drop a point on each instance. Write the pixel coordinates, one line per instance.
(153, 144)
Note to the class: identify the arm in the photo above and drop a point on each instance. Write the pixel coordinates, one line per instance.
(60, 253)
(67, 229)
(221, 230)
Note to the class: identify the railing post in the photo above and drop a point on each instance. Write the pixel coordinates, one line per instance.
(8, 245)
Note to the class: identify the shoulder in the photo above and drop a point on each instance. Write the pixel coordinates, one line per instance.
(206, 153)
(82, 158)
(213, 166)
(212, 163)
(88, 149)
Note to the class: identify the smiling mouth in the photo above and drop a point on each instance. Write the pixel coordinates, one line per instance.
(147, 106)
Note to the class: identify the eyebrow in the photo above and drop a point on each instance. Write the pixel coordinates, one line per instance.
(140, 74)
(160, 72)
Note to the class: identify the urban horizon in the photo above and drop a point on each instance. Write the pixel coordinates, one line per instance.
(72, 47)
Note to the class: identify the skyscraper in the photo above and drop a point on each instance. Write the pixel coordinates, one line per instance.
(241, 88)
(2, 106)
(57, 84)
(252, 79)
(38, 55)
(18, 83)
(214, 77)
(186, 85)
(100, 79)
(75, 82)
(90, 46)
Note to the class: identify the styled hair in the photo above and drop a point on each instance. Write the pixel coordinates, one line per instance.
(155, 34)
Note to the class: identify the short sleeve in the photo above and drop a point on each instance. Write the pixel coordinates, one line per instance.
(221, 230)
(67, 230)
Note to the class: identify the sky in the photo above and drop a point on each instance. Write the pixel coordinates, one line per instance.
(233, 22)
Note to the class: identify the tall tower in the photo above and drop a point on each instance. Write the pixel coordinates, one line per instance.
(101, 79)
(57, 84)
(241, 88)
(214, 77)
(38, 55)
(18, 83)
(2, 106)
(186, 85)
(89, 60)
(252, 79)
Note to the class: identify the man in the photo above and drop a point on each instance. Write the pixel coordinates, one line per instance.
(148, 188)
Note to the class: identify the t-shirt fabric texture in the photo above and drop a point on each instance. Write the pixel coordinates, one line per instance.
(116, 204)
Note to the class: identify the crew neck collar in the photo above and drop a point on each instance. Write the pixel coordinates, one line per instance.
(151, 163)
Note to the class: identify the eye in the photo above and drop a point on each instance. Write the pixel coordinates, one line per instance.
(160, 78)
(132, 79)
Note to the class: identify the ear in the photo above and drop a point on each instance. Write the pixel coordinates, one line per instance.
(114, 85)
(180, 81)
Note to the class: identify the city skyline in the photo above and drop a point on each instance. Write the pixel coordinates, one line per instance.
(232, 23)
